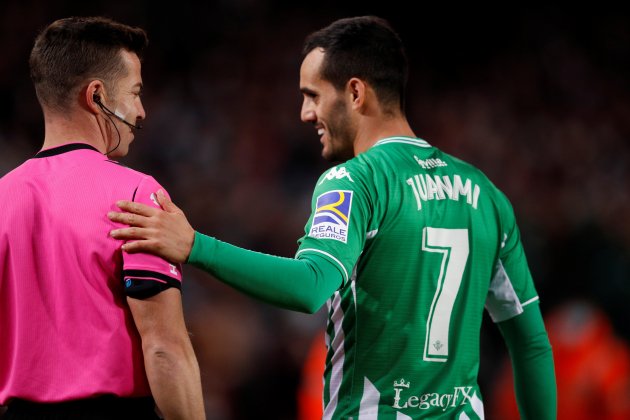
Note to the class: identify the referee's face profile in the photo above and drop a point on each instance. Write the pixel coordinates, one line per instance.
(128, 111)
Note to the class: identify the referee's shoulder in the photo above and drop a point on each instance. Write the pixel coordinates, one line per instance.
(126, 171)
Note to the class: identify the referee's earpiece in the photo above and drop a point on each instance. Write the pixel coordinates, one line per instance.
(116, 113)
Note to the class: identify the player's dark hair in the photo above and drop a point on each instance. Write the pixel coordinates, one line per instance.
(71, 52)
(365, 47)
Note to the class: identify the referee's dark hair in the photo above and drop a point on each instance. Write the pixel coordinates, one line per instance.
(73, 50)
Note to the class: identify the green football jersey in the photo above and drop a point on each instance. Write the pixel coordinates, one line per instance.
(424, 242)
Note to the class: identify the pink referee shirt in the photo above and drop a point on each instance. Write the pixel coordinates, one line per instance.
(66, 331)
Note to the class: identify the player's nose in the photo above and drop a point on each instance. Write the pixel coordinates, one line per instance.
(307, 113)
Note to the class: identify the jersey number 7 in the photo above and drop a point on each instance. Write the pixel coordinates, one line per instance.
(453, 245)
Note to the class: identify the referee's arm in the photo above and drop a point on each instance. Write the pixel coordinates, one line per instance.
(169, 359)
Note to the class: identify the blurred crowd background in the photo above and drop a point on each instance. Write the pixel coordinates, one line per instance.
(537, 99)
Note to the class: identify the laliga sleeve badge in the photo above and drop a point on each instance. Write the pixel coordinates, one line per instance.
(332, 216)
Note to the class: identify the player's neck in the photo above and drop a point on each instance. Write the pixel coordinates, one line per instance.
(372, 130)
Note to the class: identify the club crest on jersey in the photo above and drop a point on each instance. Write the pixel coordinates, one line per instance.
(332, 216)
(336, 173)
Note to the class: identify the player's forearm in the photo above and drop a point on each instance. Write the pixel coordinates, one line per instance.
(174, 378)
(301, 285)
(532, 363)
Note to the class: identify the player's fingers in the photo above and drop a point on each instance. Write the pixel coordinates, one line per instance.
(135, 246)
(128, 233)
(127, 218)
(166, 203)
(137, 208)
(145, 245)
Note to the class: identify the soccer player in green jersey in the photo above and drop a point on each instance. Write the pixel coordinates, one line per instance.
(406, 245)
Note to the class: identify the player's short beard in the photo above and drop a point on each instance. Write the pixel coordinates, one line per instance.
(341, 133)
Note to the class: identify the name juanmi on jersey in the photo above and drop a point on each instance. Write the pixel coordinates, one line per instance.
(428, 187)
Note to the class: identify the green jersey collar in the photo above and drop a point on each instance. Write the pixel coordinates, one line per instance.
(403, 139)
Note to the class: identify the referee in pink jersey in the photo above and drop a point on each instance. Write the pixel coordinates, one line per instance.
(87, 332)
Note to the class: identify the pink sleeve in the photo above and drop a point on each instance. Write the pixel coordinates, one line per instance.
(146, 274)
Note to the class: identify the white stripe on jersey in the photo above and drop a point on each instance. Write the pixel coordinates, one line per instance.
(368, 410)
(477, 406)
(406, 140)
(502, 302)
(345, 272)
(532, 300)
(338, 356)
(401, 416)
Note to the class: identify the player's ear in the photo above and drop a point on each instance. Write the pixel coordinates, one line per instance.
(356, 90)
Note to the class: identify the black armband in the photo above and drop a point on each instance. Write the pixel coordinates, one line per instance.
(141, 284)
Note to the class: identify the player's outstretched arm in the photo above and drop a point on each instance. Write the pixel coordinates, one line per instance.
(303, 284)
(298, 284)
(532, 364)
(166, 233)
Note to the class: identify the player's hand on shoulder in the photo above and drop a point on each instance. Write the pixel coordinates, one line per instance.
(166, 233)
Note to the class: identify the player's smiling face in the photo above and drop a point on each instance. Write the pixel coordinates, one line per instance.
(325, 107)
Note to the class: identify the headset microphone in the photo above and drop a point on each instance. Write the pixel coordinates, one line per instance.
(116, 113)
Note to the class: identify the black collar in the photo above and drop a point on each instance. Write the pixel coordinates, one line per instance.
(63, 149)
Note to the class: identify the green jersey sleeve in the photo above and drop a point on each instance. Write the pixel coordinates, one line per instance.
(532, 364)
(339, 219)
(302, 285)
(512, 286)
